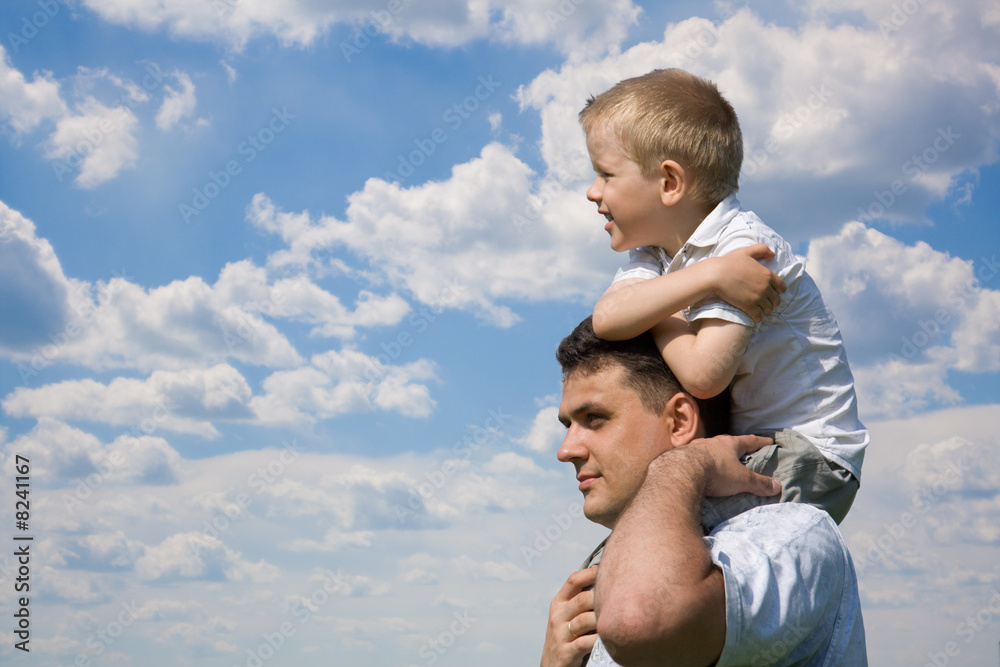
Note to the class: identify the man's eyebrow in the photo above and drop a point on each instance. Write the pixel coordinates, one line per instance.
(583, 408)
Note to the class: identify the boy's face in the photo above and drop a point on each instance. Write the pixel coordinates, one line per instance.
(628, 199)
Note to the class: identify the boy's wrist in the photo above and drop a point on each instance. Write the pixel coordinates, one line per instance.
(711, 278)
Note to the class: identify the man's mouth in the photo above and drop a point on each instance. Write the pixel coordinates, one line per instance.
(586, 481)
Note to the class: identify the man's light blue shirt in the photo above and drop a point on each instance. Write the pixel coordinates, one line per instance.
(791, 591)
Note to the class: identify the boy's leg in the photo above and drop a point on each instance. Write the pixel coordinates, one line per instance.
(805, 475)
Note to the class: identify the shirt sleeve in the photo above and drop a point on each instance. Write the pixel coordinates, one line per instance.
(642, 263)
(791, 591)
(736, 236)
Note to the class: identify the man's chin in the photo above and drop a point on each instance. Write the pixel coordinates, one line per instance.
(599, 515)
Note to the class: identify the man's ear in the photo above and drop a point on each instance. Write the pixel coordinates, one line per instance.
(686, 420)
(673, 182)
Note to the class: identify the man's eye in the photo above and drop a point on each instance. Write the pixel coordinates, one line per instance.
(595, 418)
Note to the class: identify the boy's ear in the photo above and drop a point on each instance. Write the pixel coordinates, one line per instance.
(673, 182)
(686, 420)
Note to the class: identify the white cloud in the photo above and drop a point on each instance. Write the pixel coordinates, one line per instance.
(25, 105)
(32, 284)
(571, 25)
(177, 104)
(546, 433)
(199, 556)
(96, 140)
(181, 401)
(467, 243)
(936, 315)
(99, 140)
(119, 324)
(70, 457)
(334, 540)
(346, 381)
(184, 323)
(230, 71)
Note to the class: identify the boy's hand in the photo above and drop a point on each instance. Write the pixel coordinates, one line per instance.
(747, 284)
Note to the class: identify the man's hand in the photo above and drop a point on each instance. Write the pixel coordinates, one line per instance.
(719, 460)
(746, 283)
(571, 619)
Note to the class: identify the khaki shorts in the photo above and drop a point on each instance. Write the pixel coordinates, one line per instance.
(806, 476)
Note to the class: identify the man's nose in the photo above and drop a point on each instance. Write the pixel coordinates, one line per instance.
(572, 447)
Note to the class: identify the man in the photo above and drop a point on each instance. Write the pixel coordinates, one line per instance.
(772, 586)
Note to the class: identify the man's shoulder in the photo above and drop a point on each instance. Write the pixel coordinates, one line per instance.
(774, 528)
(789, 581)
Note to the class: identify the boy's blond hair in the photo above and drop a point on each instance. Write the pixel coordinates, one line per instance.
(670, 114)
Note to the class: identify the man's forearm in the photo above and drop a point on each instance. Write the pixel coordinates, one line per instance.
(658, 593)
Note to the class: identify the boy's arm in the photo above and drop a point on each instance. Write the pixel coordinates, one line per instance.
(631, 306)
(704, 355)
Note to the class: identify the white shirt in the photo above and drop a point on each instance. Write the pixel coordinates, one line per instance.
(794, 373)
(791, 591)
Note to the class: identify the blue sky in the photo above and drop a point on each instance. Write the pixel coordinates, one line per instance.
(280, 299)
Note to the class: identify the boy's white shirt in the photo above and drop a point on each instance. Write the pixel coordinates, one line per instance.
(794, 373)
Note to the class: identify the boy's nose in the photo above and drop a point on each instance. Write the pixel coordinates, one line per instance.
(594, 191)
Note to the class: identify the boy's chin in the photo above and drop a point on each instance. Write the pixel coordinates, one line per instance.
(621, 245)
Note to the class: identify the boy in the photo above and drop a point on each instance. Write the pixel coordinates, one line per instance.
(667, 149)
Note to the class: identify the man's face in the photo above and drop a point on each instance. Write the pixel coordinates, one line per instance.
(629, 200)
(610, 438)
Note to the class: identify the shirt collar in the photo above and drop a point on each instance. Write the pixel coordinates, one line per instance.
(711, 228)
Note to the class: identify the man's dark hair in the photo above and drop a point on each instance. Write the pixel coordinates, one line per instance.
(645, 371)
